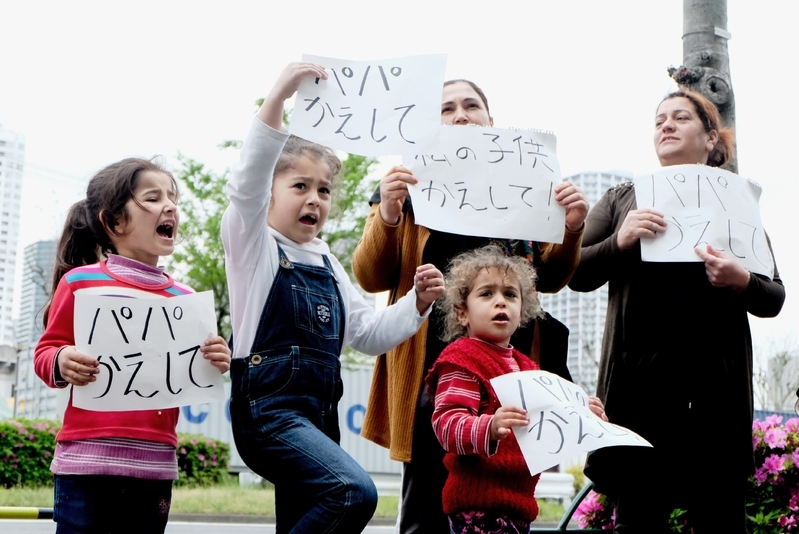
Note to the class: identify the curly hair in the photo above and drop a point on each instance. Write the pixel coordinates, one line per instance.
(464, 269)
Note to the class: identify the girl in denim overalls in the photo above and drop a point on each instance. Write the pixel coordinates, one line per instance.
(293, 310)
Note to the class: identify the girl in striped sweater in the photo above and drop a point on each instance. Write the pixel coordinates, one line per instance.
(489, 488)
(113, 470)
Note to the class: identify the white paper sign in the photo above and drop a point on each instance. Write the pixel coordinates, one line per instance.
(704, 206)
(148, 351)
(371, 108)
(561, 424)
(489, 182)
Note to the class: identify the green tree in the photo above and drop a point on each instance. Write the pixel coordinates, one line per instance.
(200, 258)
(350, 208)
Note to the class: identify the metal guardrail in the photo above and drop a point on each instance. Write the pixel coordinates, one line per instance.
(25, 512)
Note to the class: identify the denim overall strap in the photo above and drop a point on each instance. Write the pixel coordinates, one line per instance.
(304, 308)
(284, 405)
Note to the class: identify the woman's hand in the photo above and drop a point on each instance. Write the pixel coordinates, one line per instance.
(504, 419)
(645, 222)
(393, 190)
(77, 368)
(271, 111)
(216, 350)
(574, 200)
(597, 408)
(722, 270)
(429, 284)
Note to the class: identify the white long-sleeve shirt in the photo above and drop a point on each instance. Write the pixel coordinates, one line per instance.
(252, 260)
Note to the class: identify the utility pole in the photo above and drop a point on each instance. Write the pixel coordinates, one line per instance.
(706, 61)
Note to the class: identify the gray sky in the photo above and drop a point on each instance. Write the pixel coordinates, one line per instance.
(92, 82)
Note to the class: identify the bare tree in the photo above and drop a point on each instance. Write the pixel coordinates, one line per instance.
(706, 61)
(776, 378)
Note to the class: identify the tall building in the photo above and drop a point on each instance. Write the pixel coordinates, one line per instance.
(12, 161)
(584, 313)
(33, 398)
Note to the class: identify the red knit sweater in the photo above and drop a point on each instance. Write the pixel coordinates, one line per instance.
(501, 482)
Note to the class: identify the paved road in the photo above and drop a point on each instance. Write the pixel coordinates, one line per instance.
(43, 526)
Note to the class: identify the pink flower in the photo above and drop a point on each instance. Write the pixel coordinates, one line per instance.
(760, 475)
(47, 454)
(201, 457)
(19, 445)
(183, 450)
(773, 420)
(775, 438)
(773, 464)
(788, 522)
(193, 442)
(793, 504)
(23, 430)
(792, 425)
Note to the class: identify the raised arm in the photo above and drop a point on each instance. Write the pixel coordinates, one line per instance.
(558, 262)
(602, 256)
(271, 110)
(376, 260)
(249, 188)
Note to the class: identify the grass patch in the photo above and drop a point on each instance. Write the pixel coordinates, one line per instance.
(229, 499)
(34, 497)
(387, 506)
(223, 499)
(549, 511)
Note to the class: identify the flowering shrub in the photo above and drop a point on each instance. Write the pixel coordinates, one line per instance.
(772, 504)
(26, 450)
(773, 500)
(595, 511)
(202, 461)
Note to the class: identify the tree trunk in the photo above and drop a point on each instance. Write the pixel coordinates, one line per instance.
(706, 61)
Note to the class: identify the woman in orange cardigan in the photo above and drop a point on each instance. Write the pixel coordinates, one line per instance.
(399, 413)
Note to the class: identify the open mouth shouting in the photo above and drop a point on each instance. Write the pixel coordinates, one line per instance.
(166, 229)
(501, 317)
(308, 219)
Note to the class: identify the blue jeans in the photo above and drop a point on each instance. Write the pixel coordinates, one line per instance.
(89, 504)
(319, 488)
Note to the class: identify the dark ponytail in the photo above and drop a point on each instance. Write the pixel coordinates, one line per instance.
(85, 239)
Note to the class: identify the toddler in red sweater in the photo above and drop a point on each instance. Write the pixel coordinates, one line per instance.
(489, 488)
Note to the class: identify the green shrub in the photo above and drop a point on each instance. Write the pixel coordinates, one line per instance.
(202, 461)
(576, 471)
(27, 447)
(26, 450)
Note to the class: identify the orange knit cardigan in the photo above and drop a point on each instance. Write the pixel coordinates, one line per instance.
(385, 260)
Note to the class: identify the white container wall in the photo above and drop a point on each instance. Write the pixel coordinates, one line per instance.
(213, 420)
